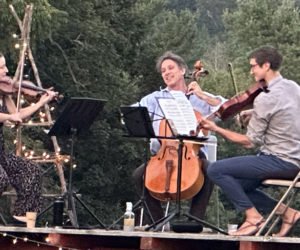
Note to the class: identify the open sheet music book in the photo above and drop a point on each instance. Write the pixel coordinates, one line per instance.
(179, 112)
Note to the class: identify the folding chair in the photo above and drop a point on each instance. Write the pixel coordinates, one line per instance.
(290, 184)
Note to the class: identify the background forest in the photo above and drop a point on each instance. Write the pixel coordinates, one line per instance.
(107, 49)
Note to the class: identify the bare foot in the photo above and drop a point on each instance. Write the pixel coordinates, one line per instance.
(289, 219)
(248, 228)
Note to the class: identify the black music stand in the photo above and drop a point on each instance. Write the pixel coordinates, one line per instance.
(77, 116)
(138, 124)
(137, 121)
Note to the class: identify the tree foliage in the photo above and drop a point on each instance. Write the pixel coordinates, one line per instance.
(255, 23)
(107, 50)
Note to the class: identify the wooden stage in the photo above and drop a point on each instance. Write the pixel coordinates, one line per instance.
(58, 238)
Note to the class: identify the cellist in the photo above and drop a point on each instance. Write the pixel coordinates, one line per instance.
(173, 69)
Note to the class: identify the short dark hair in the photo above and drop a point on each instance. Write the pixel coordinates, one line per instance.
(1, 54)
(172, 56)
(267, 54)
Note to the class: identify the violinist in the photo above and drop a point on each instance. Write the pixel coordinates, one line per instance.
(173, 69)
(22, 174)
(274, 126)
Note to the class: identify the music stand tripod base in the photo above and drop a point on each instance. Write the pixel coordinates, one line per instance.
(77, 116)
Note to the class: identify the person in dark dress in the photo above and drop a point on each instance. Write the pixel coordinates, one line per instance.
(22, 174)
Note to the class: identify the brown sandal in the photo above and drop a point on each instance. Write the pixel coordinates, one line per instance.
(292, 223)
(256, 226)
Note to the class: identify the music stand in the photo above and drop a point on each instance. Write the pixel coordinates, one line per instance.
(177, 211)
(77, 116)
(138, 124)
(137, 121)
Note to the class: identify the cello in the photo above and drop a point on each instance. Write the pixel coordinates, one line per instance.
(162, 169)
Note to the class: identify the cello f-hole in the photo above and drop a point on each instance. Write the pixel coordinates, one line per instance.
(169, 168)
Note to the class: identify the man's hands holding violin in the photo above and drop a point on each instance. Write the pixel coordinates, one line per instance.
(206, 124)
(242, 119)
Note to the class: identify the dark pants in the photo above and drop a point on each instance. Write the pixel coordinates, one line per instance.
(199, 201)
(239, 178)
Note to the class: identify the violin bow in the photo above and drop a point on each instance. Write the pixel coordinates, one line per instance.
(230, 69)
(232, 78)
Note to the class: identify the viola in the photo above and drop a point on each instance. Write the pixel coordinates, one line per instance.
(162, 169)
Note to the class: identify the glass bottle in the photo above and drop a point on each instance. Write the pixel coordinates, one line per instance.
(128, 218)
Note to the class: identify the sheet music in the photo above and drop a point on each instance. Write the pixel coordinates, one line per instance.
(180, 111)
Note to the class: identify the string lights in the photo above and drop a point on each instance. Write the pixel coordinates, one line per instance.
(41, 120)
(15, 239)
(37, 120)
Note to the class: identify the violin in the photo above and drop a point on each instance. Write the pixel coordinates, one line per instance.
(237, 103)
(7, 86)
(162, 169)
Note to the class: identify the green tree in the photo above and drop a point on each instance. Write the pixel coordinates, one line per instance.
(209, 13)
(255, 23)
(107, 49)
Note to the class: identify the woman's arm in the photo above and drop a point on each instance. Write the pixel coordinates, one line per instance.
(28, 111)
(23, 113)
